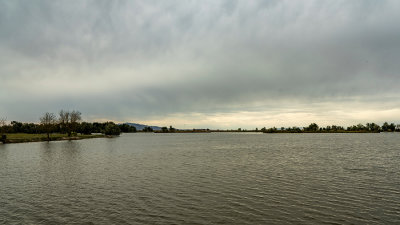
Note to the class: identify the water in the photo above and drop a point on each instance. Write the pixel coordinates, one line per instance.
(215, 178)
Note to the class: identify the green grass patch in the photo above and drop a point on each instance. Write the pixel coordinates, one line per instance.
(23, 137)
(33, 136)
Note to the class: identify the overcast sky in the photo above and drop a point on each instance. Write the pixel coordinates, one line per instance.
(209, 63)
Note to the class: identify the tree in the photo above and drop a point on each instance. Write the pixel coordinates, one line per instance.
(373, 127)
(392, 127)
(171, 129)
(64, 121)
(85, 128)
(126, 128)
(296, 129)
(47, 121)
(112, 129)
(69, 121)
(385, 126)
(147, 129)
(312, 127)
(75, 118)
(16, 126)
(360, 127)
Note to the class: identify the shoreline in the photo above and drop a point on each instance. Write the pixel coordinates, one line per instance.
(325, 132)
(274, 132)
(44, 139)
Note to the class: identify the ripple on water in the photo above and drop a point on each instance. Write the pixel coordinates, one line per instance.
(219, 178)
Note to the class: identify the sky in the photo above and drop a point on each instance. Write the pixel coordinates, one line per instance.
(202, 64)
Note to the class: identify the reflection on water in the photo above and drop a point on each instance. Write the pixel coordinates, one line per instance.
(222, 178)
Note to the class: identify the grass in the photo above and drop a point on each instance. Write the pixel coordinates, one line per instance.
(33, 136)
(23, 137)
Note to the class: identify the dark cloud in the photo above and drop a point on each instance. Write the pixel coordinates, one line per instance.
(140, 60)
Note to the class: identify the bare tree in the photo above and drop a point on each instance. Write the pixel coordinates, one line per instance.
(69, 120)
(64, 117)
(64, 121)
(48, 121)
(75, 118)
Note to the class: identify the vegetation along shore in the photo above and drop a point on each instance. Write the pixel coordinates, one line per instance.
(68, 125)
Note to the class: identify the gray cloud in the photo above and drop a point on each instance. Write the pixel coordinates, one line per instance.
(140, 60)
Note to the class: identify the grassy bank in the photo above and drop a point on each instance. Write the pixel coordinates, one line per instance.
(22, 137)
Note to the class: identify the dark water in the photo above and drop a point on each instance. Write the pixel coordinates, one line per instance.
(217, 178)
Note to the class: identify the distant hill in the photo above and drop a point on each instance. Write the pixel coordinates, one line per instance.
(141, 126)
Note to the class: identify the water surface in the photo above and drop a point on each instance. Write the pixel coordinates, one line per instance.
(214, 178)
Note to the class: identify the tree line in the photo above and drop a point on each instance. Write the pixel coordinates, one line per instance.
(70, 123)
(313, 127)
(67, 122)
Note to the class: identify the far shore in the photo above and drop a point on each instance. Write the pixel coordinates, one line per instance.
(265, 132)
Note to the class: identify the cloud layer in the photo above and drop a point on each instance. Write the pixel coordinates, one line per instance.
(202, 63)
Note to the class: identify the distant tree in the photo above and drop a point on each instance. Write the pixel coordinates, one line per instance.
(385, 126)
(86, 128)
(147, 129)
(271, 130)
(112, 129)
(392, 127)
(47, 121)
(29, 128)
(336, 128)
(313, 127)
(126, 128)
(165, 129)
(373, 127)
(98, 127)
(296, 129)
(171, 129)
(360, 127)
(16, 126)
